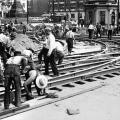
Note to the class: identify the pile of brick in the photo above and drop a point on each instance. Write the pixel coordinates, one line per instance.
(22, 42)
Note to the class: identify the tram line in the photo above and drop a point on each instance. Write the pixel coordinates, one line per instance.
(91, 67)
(73, 79)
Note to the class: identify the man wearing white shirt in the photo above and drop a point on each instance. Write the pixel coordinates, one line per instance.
(51, 46)
(69, 40)
(4, 43)
(91, 30)
(4, 39)
(60, 52)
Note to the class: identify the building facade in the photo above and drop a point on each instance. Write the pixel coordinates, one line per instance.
(103, 11)
(5, 6)
(37, 7)
(73, 9)
(34, 7)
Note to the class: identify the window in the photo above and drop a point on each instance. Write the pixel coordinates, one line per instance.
(72, 15)
(102, 17)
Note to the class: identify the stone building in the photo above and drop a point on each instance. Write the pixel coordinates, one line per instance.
(101, 11)
(37, 7)
(71, 8)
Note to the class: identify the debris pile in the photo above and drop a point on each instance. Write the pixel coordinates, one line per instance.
(22, 42)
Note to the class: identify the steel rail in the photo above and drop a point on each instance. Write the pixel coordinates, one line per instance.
(86, 70)
(30, 108)
(83, 75)
(78, 77)
(103, 49)
(74, 67)
(98, 57)
(78, 67)
(62, 82)
(80, 72)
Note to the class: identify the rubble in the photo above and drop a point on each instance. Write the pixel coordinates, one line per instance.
(22, 42)
(72, 111)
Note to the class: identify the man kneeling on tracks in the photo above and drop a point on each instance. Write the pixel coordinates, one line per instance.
(12, 75)
(39, 80)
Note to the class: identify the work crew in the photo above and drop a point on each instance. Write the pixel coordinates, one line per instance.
(39, 80)
(12, 75)
(70, 39)
(59, 53)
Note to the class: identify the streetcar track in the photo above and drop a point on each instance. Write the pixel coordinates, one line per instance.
(93, 67)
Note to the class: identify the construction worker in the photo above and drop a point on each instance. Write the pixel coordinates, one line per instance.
(59, 53)
(29, 54)
(70, 39)
(51, 54)
(35, 77)
(12, 75)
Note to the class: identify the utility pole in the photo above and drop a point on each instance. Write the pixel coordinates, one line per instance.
(53, 13)
(118, 17)
(78, 6)
(27, 12)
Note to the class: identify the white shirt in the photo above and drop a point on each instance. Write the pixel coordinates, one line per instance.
(15, 60)
(28, 53)
(91, 27)
(4, 39)
(59, 47)
(70, 34)
(50, 43)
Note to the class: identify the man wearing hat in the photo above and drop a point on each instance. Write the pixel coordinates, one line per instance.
(39, 80)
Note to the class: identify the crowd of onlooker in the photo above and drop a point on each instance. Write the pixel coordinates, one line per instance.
(96, 31)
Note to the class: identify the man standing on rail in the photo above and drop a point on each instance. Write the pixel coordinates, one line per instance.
(51, 54)
(12, 75)
(69, 39)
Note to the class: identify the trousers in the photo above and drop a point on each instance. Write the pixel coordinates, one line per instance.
(52, 60)
(29, 85)
(70, 44)
(12, 75)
